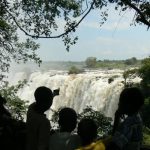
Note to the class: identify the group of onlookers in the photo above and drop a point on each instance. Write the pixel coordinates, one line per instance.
(126, 133)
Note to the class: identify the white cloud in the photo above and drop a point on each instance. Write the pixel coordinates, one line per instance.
(91, 24)
(116, 26)
(108, 41)
(110, 26)
(116, 20)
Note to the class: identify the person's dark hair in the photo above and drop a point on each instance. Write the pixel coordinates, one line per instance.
(43, 97)
(87, 130)
(43, 94)
(67, 119)
(131, 98)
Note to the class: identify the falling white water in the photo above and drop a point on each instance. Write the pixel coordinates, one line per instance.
(90, 88)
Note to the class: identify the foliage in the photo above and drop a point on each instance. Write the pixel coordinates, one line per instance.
(145, 72)
(112, 64)
(54, 118)
(131, 61)
(141, 8)
(103, 122)
(11, 48)
(15, 105)
(74, 70)
(128, 75)
(146, 136)
(90, 62)
(38, 19)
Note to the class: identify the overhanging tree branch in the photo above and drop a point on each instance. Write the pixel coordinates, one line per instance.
(143, 19)
(56, 36)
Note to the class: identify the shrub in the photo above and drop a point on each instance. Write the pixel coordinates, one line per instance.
(15, 105)
(74, 70)
(91, 62)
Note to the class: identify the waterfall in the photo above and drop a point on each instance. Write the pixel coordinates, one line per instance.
(90, 88)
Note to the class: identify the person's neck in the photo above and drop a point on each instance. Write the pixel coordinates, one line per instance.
(39, 109)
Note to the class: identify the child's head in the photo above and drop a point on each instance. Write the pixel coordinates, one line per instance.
(87, 130)
(131, 100)
(67, 119)
(43, 97)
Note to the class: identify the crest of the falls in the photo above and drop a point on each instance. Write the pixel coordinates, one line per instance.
(77, 91)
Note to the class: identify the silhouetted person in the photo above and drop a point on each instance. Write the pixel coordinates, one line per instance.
(12, 131)
(127, 130)
(6, 132)
(4, 113)
(38, 126)
(64, 139)
(87, 130)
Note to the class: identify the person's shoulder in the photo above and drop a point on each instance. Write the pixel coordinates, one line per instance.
(74, 138)
(33, 114)
(57, 139)
(54, 136)
(31, 107)
(99, 145)
(134, 119)
(31, 111)
(93, 146)
(87, 147)
(43, 121)
(74, 135)
(60, 135)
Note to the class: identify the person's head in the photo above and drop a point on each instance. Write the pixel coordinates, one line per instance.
(43, 97)
(87, 130)
(67, 119)
(130, 101)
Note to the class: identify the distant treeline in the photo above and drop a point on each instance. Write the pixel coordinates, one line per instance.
(93, 62)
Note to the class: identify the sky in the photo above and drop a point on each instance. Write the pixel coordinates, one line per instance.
(115, 40)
